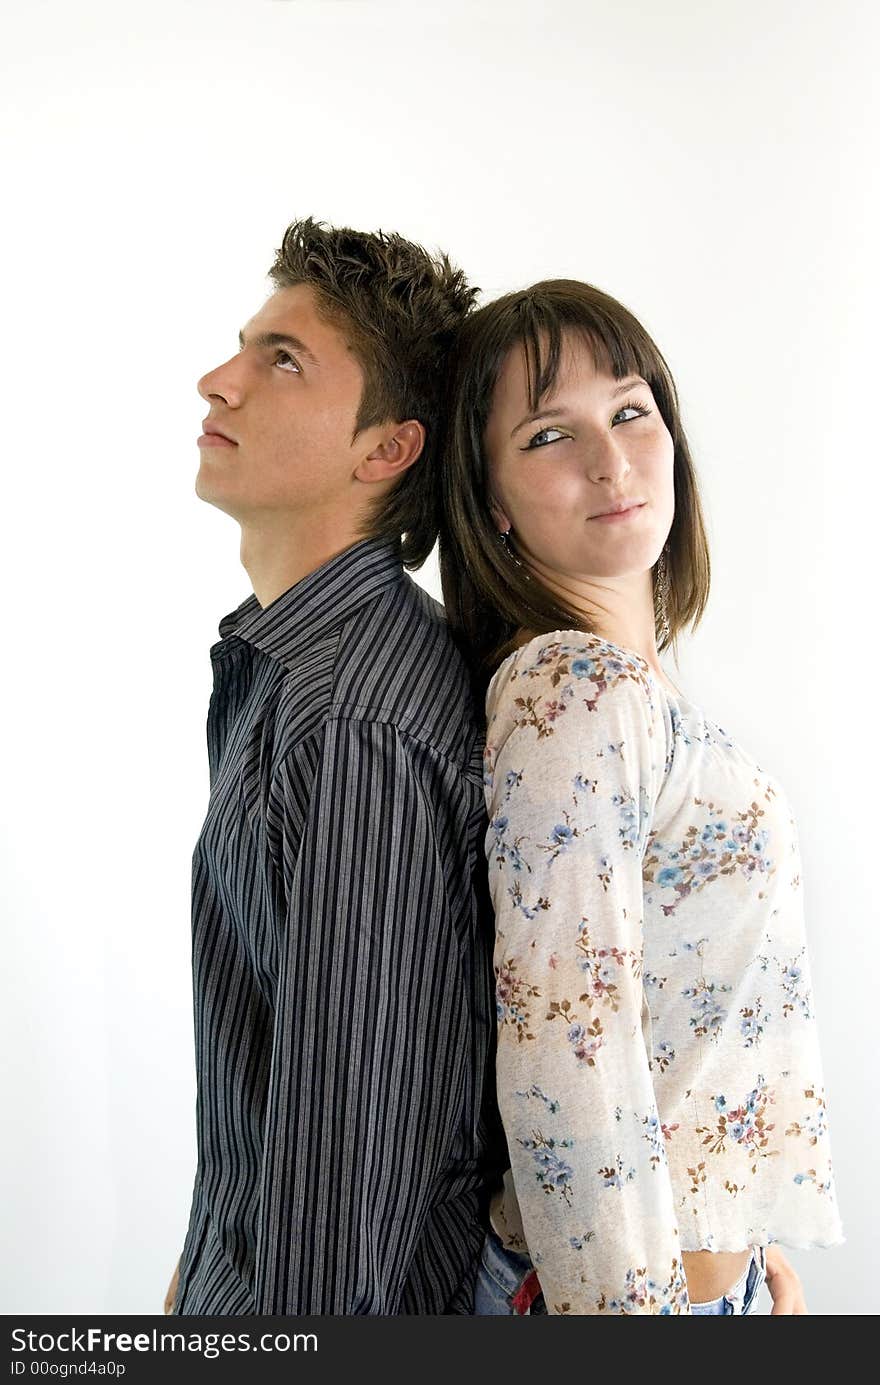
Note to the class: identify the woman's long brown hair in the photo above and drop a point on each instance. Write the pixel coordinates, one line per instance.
(489, 599)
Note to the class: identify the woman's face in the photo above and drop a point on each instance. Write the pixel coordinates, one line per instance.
(596, 441)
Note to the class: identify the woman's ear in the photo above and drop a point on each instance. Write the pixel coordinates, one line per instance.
(499, 517)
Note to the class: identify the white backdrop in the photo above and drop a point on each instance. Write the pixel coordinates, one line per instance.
(711, 165)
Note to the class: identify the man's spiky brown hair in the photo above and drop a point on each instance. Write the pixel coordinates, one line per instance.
(399, 308)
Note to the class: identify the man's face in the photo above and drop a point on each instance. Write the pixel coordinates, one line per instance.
(290, 408)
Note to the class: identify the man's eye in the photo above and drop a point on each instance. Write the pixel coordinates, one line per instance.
(287, 356)
(542, 433)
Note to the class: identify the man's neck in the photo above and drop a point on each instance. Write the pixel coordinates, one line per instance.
(280, 552)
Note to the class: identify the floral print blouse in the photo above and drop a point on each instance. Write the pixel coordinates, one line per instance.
(659, 1071)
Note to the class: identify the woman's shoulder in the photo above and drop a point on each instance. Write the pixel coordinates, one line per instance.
(566, 656)
(566, 690)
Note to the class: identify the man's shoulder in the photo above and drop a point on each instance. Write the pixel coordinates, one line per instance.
(398, 662)
(393, 660)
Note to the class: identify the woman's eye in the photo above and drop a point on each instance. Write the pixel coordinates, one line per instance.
(534, 440)
(635, 409)
(287, 356)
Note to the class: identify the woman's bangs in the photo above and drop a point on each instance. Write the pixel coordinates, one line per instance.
(543, 330)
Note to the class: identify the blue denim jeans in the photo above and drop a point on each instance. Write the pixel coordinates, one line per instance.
(743, 1297)
(504, 1284)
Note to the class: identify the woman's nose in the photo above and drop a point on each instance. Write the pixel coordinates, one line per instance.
(606, 459)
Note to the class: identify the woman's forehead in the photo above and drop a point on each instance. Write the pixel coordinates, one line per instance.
(583, 361)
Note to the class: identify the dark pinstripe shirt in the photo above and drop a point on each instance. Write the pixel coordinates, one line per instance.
(341, 948)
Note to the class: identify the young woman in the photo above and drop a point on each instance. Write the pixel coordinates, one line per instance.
(658, 1065)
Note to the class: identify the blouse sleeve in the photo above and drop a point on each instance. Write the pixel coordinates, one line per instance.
(576, 758)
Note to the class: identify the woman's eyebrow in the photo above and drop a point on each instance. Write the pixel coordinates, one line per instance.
(542, 413)
(625, 385)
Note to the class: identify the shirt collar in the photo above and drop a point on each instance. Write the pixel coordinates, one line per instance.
(318, 601)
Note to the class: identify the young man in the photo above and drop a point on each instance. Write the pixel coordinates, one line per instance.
(342, 933)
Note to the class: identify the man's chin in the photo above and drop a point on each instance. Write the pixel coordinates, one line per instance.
(213, 494)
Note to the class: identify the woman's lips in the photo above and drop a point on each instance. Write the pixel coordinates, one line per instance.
(621, 514)
(215, 440)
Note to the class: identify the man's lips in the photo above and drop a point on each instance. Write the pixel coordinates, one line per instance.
(215, 440)
(213, 429)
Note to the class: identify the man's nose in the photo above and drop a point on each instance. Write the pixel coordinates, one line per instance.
(224, 382)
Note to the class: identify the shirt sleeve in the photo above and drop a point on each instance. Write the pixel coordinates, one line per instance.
(577, 763)
(368, 1067)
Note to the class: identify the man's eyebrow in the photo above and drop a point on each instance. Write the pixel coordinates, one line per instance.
(625, 385)
(267, 339)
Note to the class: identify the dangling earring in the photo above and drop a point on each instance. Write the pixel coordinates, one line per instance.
(661, 595)
(504, 536)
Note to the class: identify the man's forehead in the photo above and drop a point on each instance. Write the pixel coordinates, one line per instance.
(291, 309)
(291, 318)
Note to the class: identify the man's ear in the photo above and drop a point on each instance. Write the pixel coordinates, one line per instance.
(394, 453)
